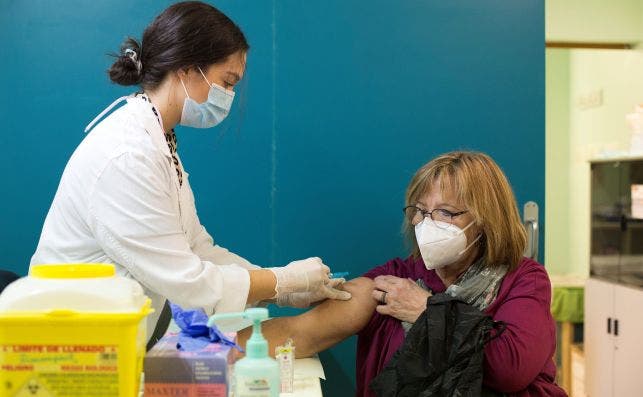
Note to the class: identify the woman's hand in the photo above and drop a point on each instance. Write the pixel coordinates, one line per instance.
(399, 297)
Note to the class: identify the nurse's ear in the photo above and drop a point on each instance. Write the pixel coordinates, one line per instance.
(179, 85)
(183, 74)
(189, 75)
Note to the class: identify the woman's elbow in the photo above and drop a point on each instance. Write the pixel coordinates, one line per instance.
(508, 375)
(507, 380)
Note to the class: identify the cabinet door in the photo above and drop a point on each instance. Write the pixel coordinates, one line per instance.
(599, 344)
(628, 355)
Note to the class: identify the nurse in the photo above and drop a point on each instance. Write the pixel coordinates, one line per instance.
(125, 197)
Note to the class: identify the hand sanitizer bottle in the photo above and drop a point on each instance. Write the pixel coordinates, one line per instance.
(257, 374)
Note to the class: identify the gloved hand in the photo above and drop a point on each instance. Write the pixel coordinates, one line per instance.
(300, 276)
(323, 292)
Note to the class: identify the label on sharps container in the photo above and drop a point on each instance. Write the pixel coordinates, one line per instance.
(59, 370)
(252, 387)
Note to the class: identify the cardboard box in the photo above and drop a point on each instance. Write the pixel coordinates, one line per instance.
(170, 372)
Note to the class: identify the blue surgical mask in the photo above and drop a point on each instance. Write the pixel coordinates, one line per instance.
(209, 113)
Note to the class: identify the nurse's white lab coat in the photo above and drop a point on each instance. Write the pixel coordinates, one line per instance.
(119, 201)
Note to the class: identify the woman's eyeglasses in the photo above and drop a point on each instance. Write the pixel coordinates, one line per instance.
(415, 215)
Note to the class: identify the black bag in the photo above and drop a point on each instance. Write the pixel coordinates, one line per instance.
(442, 354)
(6, 278)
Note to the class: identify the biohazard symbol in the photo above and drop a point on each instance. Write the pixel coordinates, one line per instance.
(33, 388)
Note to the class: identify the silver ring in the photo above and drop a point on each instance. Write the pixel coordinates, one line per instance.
(383, 298)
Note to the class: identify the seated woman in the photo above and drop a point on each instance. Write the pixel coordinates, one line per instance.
(462, 221)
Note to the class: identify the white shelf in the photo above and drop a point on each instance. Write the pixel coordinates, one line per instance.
(616, 158)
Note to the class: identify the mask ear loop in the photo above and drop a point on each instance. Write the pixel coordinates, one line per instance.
(184, 89)
(206, 79)
(212, 85)
(470, 245)
(473, 242)
(466, 227)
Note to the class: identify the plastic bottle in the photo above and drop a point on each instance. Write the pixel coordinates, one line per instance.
(256, 374)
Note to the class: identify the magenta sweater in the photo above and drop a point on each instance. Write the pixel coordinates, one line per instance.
(519, 362)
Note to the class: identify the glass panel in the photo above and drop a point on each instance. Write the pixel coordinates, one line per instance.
(606, 213)
(631, 263)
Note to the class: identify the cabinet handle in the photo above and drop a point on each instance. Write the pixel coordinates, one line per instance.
(616, 327)
(609, 325)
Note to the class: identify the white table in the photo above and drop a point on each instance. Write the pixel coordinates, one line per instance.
(308, 372)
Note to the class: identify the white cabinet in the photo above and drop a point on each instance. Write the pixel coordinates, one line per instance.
(598, 342)
(613, 340)
(628, 343)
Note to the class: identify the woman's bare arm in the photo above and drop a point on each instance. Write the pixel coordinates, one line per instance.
(327, 324)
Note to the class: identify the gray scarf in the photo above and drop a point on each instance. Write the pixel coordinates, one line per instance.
(478, 286)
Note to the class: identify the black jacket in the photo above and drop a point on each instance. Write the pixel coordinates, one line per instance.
(442, 354)
(6, 278)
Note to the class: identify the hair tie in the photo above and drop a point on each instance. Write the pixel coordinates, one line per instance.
(131, 54)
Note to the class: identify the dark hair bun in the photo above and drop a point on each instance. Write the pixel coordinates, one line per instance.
(128, 69)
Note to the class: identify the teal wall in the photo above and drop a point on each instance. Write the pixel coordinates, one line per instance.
(343, 100)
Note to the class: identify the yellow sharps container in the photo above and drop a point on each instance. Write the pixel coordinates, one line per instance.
(72, 330)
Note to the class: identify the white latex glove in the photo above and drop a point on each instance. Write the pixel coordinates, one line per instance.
(305, 299)
(300, 276)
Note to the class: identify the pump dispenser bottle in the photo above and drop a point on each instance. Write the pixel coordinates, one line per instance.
(257, 374)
